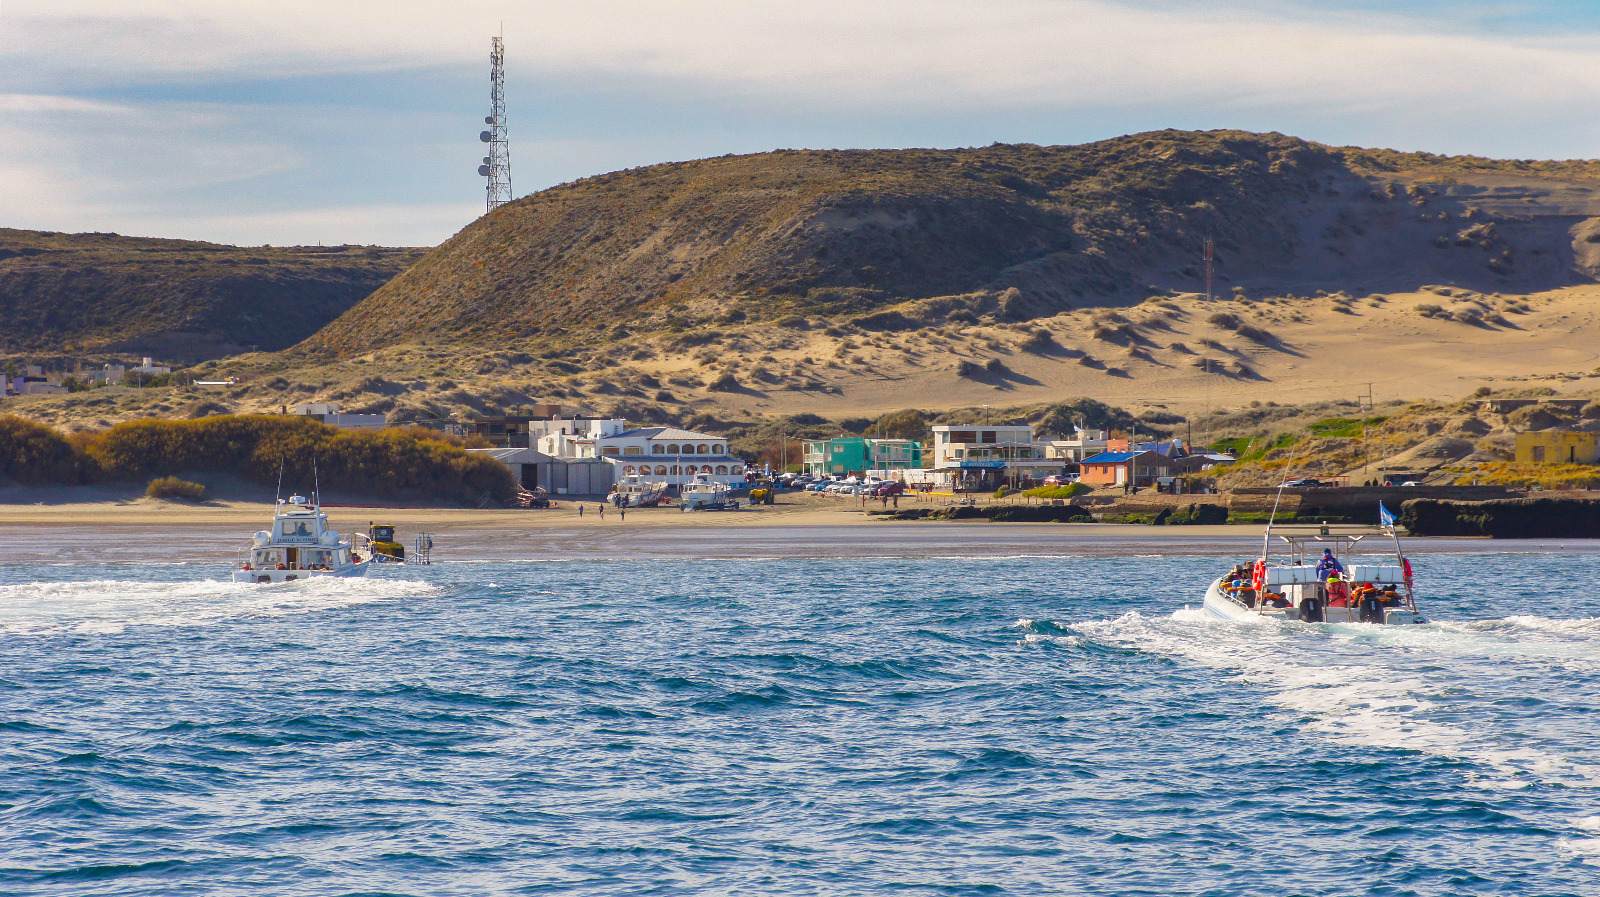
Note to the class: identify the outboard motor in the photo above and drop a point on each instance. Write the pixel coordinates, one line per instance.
(1372, 608)
(1311, 609)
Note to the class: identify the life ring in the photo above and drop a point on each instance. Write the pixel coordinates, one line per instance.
(1258, 575)
(1405, 567)
(247, 566)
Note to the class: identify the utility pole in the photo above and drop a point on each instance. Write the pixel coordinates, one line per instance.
(1210, 257)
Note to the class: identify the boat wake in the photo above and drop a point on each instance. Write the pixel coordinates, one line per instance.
(112, 605)
(1479, 692)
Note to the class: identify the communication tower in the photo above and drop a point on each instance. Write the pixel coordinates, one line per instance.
(496, 166)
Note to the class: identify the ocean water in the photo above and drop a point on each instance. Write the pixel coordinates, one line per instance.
(1037, 721)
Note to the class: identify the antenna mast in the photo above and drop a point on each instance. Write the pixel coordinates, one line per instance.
(497, 165)
(1210, 257)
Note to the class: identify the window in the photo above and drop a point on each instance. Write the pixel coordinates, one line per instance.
(737, 470)
(661, 470)
(959, 452)
(658, 449)
(716, 449)
(672, 449)
(675, 470)
(633, 450)
(628, 470)
(722, 468)
(611, 450)
(704, 449)
(989, 436)
(1538, 453)
(963, 436)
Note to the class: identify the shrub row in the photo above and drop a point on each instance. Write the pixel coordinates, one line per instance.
(393, 462)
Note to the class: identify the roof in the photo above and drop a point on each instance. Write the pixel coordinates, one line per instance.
(1120, 457)
(513, 455)
(663, 433)
(1109, 458)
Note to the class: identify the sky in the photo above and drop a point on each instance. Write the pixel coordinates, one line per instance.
(346, 121)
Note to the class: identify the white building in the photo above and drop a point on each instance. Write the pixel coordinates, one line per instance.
(572, 438)
(328, 413)
(670, 454)
(991, 454)
(1087, 443)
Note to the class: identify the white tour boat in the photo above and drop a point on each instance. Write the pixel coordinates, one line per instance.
(705, 493)
(301, 546)
(1321, 576)
(636, 492)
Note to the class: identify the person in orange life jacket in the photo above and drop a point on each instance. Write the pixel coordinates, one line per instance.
(1338, 592)
(1391, 596)
(1274, 599)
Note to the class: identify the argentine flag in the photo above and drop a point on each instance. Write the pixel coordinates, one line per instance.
(1384, 517)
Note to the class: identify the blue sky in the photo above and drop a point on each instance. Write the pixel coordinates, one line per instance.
(299, 122)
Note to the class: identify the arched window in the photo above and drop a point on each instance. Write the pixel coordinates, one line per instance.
(722, 468)
(737, 469)
(658, 449)
(672, 449)
(705, 468)
(676, 471)
(716, 450)
(705, 449)
(661, 470)
(628, 469)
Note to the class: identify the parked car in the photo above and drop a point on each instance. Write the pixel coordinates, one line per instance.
(1304, 482)
(889, 488)
(1060, 479)
(1411, 483)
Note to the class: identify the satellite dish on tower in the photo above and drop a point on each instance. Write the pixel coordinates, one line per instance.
(485, 136)
(488, 119)
(483, 171)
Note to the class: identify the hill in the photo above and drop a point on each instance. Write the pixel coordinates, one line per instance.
(175, 299)
(900, 239)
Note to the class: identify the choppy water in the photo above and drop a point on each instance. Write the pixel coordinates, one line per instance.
(917, 725)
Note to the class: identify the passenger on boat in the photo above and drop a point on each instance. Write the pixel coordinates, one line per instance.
(1338, 592)
(1328, 564)
(1391, 596)
(1359, 593)
(1274, 599)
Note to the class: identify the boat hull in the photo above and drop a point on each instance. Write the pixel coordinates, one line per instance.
(273, 577)
(1220, 606)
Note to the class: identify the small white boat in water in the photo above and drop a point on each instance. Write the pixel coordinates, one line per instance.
(301, 546)
(636, 492)
(1320, 576)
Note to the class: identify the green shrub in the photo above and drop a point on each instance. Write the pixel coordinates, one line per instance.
(174, 488)
(1003, 491)
(1071, 490)
(36, 455)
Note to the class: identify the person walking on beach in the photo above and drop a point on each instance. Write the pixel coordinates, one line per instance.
(580, 509)
(602, 512)
(623, 513)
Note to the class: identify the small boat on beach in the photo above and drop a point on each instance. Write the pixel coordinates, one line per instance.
(1321, 576)
(301, 546)
(635, 491)
(706, 494)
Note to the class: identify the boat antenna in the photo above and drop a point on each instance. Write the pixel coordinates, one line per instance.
(279, 497)
(1266, 537)
(316, 482)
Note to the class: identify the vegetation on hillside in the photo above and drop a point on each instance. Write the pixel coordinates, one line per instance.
(409, 463)
(896, 239)
(178, 299)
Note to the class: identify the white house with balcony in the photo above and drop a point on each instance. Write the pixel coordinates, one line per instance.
(991, 455)
(662, 454)
(1085, 444)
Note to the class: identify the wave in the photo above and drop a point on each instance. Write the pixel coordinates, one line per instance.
(1388, 688)
(110, 606)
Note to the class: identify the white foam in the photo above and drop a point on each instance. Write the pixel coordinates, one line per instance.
(111, 606)
(1350, 685)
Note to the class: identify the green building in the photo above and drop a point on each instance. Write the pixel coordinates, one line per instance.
(846, 455)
